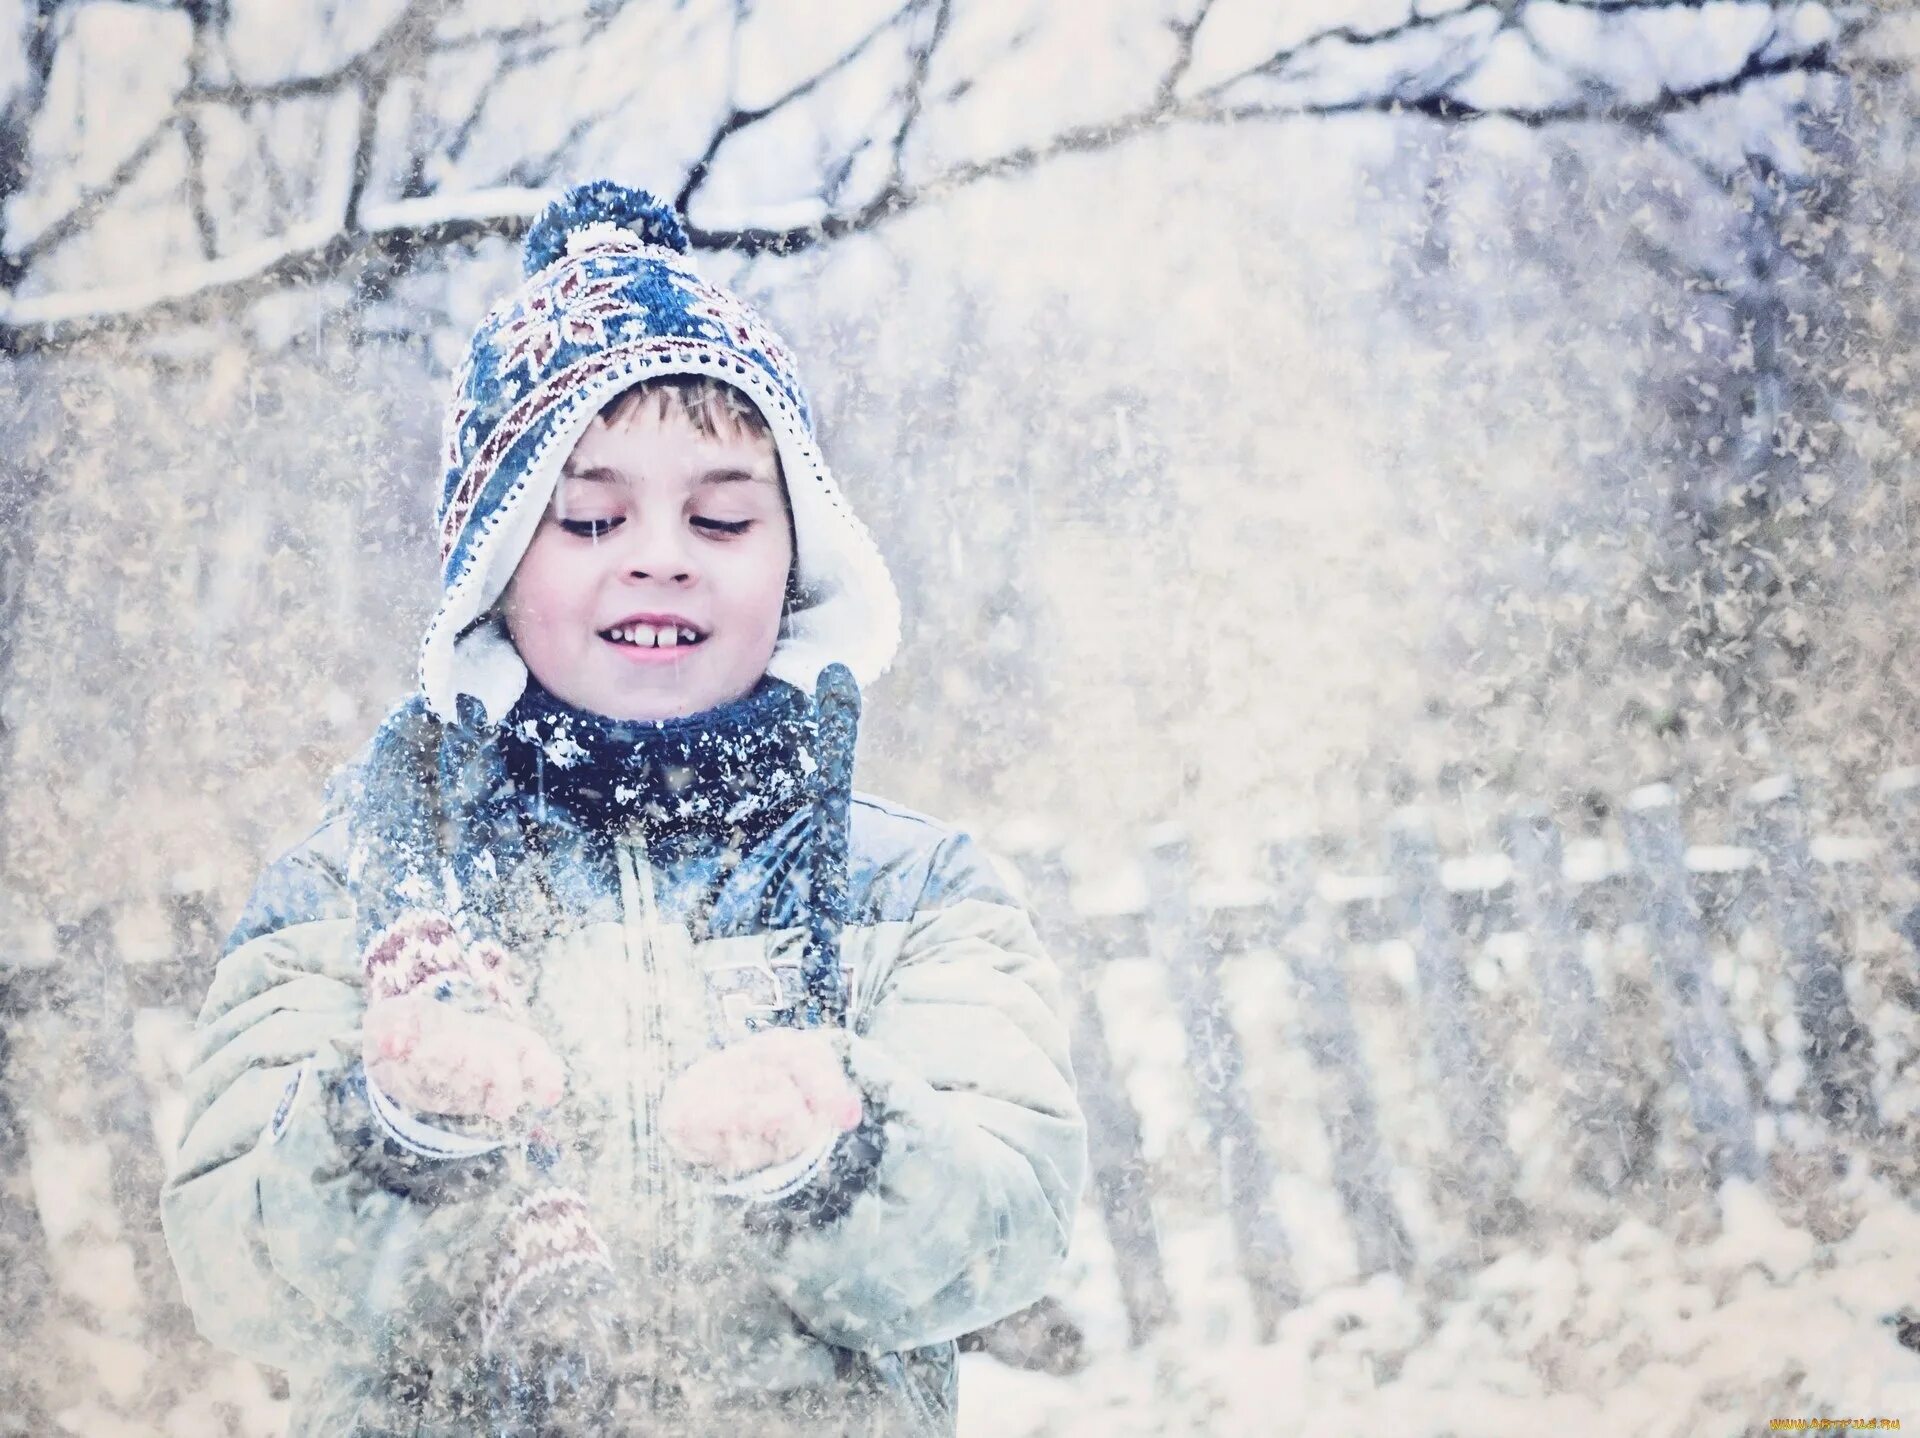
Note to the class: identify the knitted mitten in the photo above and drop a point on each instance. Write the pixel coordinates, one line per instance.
(550, 1312)
(552, 1321)
(422, 951)
(422, 948)
(430, 1158)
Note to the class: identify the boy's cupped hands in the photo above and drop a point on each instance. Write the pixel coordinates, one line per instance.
(438, 1058)
(765, 1100)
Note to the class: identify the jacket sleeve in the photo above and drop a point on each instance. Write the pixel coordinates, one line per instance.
(952, 1205)
(288, 1251)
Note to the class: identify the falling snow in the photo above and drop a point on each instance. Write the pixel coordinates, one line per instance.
(1399, 516)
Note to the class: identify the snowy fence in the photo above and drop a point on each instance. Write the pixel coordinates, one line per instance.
(1639, 1011)
(1671, 1014)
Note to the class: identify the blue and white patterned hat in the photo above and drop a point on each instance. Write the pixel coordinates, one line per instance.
(611, 300)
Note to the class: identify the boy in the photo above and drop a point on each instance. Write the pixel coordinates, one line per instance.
(601, 1064)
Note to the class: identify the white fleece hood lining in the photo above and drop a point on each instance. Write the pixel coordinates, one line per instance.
(848, 610)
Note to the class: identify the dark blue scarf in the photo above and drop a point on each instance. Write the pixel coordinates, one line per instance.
(727, 776)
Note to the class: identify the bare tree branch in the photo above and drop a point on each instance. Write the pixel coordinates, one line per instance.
(399, 234)
(1437, 103)
(17, 122)
(84, 210)
(920, 63)
(514, 58)
(196, 143)
(1646, 7)
(275, 181)
(397, 48)
(397, 231)
(738, 119)
(510, 36)
(1443, 105)
(298, 87)
(1281, 61)
(401, 49)
(1184, 33)
(534, 171)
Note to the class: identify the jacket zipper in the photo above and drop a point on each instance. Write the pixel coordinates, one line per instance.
(646, 1078)
(643, 954)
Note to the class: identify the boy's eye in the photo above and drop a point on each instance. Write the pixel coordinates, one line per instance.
(722, 526)
(589, 528)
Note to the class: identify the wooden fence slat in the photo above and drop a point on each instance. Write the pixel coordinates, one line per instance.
(1698, 1028)
(1361, 1176)
(1836, 1043)
(1594, 1087)
(25, 1266)
(1120, 1180)
(1213, 1050)
(100, 996)
(1900, 797)
(1471, 1082)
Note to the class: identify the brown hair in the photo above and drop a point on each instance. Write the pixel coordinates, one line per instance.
(713, 407)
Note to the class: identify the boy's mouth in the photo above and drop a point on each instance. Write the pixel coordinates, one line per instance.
(641, 635)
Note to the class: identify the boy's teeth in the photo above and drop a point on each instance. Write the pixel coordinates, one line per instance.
(648, 637)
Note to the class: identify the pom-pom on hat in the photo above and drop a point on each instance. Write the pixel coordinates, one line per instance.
(611, 300)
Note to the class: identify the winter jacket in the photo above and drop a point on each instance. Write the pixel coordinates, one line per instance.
(828, 1309)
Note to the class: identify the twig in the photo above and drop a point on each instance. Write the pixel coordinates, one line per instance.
(738, 119)
(402, 232)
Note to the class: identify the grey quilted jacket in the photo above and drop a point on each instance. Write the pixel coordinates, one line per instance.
(840, 1319)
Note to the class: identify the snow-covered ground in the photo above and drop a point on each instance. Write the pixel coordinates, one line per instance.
(1634, 1333)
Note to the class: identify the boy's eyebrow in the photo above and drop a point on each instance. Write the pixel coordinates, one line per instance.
(733, 476)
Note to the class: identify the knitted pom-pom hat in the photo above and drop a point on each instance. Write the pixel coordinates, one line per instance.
(611, 300)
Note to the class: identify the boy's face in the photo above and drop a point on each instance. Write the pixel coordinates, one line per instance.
(653, 587)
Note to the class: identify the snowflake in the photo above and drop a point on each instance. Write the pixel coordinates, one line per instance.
(564, 751)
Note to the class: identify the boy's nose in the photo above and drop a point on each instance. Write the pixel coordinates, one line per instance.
(676, 573)
(656, 552)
